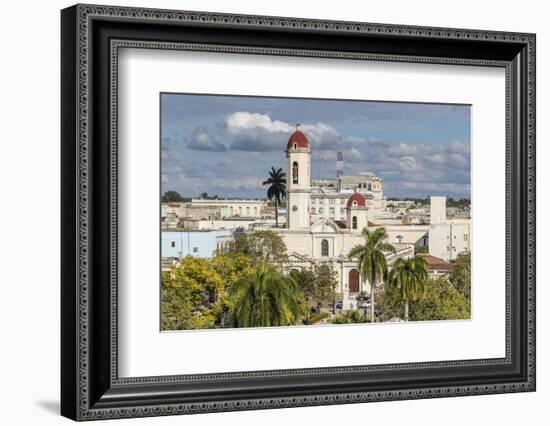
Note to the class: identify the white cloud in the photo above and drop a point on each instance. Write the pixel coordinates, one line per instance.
(351, 155)
(442, 187)
(258, 132)
(436, 158)
(458, 160)
(322, 135)
(201, 140)
(407, 164)
(459, 147)
(243, 120)
(364, 141)
(190, 186)
(255, 132)
(254, 141)
(402, 149)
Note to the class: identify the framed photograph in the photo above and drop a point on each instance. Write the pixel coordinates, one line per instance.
(264, 212)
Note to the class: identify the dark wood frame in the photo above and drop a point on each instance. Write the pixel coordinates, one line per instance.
(90, 386)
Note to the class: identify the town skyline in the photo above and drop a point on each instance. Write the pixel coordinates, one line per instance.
(224, 145)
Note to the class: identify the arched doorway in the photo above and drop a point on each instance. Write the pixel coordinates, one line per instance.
(353, 281)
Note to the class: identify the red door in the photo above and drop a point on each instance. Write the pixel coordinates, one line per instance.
(353, 281)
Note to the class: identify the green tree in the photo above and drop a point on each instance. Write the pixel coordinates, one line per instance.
(371, 258)
(277, 189)
(409, 277)
(172, 197)
(441, 301)
(461, 274)
(265, 298)
(389, 303)
(189, 295)
(230, 269)
(350, 317)
(261, 245)
(423, 250)
(305, 279)
(326, 283)
(195, 291)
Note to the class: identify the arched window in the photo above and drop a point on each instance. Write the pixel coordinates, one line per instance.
(354, 222)
(248, 211)
(399, 238)
(324, 248)
(295, 172)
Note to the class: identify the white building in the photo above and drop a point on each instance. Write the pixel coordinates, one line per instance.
(234, 208)
(329, 196)
(447, 238)
(213, 214)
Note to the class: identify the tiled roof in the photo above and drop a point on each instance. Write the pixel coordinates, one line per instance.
(299, 139)
(436, 263)
(359, 199)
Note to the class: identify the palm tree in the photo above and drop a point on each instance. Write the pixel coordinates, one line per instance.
(265, 298)
(409, 277)
(371, 260)
(277, 189)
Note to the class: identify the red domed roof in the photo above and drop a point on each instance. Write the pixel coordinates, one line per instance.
(359, 199)
(299, 139)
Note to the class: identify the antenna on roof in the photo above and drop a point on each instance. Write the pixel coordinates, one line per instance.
(322, 155)
(339, 164)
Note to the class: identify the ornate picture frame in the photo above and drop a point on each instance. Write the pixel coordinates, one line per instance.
(91, 38)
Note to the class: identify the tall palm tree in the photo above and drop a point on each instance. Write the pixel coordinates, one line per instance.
(409, 276)
(371, 259)
(266, 298)
(277, 189)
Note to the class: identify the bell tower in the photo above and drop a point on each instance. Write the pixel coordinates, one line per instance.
(357, 213)
(298, 181)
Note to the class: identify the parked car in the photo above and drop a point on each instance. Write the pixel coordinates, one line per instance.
(339, 305)
(363, 296)
(364, 305)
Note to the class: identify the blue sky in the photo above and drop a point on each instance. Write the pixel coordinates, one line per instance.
(225, 145)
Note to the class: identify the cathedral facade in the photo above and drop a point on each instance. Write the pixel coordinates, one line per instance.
(312, 236)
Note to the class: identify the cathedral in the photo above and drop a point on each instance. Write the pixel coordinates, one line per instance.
(321, 237)
(324, 221)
